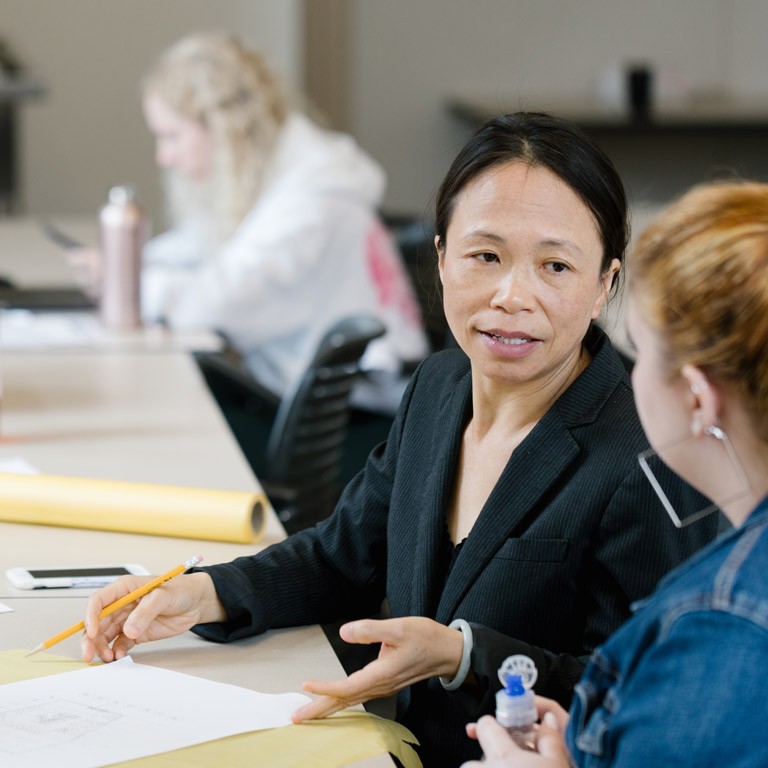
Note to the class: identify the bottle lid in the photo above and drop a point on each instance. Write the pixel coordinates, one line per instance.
(122, 194)
(515, 703)
(521, 665)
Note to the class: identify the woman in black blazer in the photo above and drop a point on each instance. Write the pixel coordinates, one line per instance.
(506, 513)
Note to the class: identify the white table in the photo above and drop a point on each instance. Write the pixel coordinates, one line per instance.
(30, 260)
(137, 417)
(117, 416)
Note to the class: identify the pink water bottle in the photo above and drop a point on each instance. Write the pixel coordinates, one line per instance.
(124, 230)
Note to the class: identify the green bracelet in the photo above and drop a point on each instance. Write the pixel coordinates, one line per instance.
(466, 656)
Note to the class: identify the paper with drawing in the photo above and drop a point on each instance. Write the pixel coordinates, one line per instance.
(120, 711)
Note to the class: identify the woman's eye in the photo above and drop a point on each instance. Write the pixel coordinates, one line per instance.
(557, 267)
(486, 258)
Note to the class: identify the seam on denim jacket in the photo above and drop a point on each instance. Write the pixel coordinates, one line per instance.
(589, 740)
(742, 607)
(730, 568)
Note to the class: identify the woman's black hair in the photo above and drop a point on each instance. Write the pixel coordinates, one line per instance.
(546, 141)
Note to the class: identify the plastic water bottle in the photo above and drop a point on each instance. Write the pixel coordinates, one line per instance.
(124, 230)
(515, 703)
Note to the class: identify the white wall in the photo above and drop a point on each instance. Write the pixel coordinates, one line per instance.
(412, 55)
(409, 57)
(87, 133)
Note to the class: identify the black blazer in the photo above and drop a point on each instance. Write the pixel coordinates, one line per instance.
(569, 537)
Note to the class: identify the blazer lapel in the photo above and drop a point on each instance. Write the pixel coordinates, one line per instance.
(535, 465)
(444, 446)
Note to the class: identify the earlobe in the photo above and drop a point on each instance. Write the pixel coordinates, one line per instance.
(705, 402)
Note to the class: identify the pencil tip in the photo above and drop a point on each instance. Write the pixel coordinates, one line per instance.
(39, 648)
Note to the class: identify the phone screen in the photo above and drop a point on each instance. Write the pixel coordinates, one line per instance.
(77, 573)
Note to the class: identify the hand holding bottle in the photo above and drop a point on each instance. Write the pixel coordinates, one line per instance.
(500, 751)
(86, 263)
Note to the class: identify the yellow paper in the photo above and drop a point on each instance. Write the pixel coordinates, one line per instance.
(164, 510)
(339, 740)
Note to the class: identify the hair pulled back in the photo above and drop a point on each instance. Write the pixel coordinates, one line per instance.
(545, 141)
(699, 276)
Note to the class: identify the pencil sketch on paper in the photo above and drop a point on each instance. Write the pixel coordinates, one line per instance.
(48, 723)
(91, 716)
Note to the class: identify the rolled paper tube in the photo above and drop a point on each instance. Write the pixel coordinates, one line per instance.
(163, 510)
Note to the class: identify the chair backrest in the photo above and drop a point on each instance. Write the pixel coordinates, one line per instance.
(415, 239)
(306, 441)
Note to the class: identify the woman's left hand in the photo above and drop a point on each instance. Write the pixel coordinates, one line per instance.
(501, 752)
(412, 649)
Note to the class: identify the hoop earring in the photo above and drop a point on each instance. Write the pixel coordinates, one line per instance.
(718, 434)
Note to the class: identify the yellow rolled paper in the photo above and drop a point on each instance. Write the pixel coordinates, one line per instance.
(163, 510)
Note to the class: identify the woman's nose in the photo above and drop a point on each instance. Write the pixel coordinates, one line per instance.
(513, 292)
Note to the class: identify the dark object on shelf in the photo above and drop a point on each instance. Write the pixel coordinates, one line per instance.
(640, 92)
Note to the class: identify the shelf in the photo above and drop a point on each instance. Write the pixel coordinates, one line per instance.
(716, 118)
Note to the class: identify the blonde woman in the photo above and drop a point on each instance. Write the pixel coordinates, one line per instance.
(274, 232)
(683, 682)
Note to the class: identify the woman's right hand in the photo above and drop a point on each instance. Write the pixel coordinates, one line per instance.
(166, 611)
(86, 263)
(500, 751)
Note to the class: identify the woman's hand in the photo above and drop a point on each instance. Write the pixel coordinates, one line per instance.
(412, 649)
(168, 610)
(86, 263)
(501, 752)
(558, 716)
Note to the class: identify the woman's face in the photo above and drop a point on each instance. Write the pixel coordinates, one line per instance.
(181, 144)
(521, 274)
(657, 395)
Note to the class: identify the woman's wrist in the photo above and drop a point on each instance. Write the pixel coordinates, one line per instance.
(209, 606)
(451, 684)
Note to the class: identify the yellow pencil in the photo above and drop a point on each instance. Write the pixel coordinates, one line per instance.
(129, 598)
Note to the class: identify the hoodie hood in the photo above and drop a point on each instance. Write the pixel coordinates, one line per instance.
(319, 159)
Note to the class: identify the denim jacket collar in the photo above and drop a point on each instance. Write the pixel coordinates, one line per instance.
(755, 518)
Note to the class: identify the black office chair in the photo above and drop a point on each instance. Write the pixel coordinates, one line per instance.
(415, 240)
(304, 450)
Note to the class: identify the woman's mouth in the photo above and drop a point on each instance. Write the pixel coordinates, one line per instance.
(511, 340)
(510, 345)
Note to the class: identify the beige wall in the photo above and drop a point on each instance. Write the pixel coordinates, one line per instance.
(412, 55)
(88, 133)
(408, 57)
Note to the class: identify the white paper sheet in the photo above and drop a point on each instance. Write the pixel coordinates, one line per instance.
(22, 329)
(122, 711)
(17, 465)
(5, 608)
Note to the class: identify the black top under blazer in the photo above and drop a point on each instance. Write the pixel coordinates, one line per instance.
(569, 537)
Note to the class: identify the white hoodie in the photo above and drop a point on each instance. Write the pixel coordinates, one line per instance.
(311, 251)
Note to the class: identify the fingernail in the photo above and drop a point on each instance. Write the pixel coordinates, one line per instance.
(550, 721)
(131, 630)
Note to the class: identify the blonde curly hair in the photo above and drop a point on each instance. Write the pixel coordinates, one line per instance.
(214, 79)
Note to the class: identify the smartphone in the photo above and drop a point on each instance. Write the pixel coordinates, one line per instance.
(91, 576)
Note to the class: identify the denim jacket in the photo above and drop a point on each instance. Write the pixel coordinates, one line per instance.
(685, 681)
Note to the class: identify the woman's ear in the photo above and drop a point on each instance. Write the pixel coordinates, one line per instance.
(704, 400)
(606, 280)
(440, 256)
